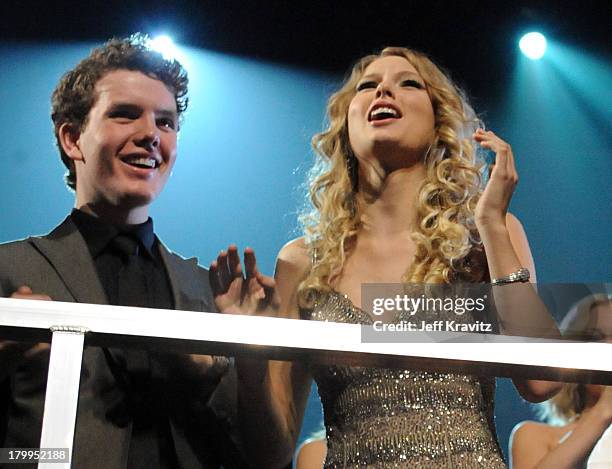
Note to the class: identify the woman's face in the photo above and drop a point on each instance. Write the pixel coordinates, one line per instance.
(391, 118)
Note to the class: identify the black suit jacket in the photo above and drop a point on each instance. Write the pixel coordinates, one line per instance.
(201, 425)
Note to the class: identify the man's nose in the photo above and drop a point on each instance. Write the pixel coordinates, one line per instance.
(148, 135)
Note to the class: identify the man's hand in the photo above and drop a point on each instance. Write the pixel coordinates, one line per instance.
(12, 353)
(235, 293)
(25, 293)
(197, 370)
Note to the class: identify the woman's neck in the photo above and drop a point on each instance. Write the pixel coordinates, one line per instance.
(390, 208)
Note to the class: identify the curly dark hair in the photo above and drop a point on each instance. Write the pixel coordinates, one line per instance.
(74, 95)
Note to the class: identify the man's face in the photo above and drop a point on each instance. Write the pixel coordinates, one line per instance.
(126, 151)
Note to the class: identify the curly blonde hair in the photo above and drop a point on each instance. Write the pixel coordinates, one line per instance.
(447, 243)
(578, 324)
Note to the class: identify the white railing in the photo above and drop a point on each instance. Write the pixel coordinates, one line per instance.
(208, 333)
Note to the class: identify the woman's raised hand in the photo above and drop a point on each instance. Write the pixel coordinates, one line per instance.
(493, 205)
(242, 292)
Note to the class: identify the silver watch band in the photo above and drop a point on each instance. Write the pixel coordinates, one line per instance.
(521, 275)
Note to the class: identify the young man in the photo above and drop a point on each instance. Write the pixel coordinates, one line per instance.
(116, 117)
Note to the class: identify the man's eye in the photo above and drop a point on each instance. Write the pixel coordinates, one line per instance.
(412, 83)
(124, 115)
(366, 85)
(167, 123)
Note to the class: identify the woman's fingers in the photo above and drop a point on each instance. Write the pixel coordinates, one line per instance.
(227, 266)
(493, 204)
(251, 293)
(266, 281)
(223, 266)
(235, 268)
(250, 263)
(224, 270)
(213, 278)
(504, 158)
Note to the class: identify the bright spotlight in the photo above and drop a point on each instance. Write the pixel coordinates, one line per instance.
(533, 45)
(165, 46)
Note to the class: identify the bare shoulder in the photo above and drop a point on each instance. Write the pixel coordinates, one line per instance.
(295, 253)
(530, 433)
(529, 426)
(292, 267)
(530, 442)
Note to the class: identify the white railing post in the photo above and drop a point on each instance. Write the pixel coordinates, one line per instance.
(62, 395)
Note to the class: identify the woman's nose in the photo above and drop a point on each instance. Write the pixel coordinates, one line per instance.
(383, 89)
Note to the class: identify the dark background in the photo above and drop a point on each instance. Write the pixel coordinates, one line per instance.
(475, 40)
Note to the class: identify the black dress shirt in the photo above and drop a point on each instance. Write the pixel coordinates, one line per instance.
(132, 273)
(151, 288)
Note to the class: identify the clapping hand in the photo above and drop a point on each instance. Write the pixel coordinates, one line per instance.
(493, 205)
(237, 292)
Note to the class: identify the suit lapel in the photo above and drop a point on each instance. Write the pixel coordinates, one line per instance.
(187, 295)
(66, 251)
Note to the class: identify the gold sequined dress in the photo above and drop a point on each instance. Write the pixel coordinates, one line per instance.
(392, 418)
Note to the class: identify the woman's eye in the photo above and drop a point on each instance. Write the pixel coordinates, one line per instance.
(412, 83)
(366, 85)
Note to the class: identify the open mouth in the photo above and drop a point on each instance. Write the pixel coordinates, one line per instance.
(382, 112)
(143, 162)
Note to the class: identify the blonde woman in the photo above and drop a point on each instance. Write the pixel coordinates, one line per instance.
(579, 414)
(397, 196)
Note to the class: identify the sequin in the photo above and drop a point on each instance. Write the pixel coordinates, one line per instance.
(390, 418)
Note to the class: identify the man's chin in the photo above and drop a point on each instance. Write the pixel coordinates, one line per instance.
(137, 199)
(134, 199)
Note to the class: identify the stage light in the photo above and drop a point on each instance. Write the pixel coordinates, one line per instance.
(165, 46)
(533, 45)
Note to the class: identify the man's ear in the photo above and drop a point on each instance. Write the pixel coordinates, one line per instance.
(69, 136)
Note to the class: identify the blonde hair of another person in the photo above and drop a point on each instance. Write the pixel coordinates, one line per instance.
(581, 324)
(578, 431)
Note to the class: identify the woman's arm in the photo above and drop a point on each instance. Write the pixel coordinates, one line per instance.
(521, 311)
(272, 395)
(519, 306)
(529, 450)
